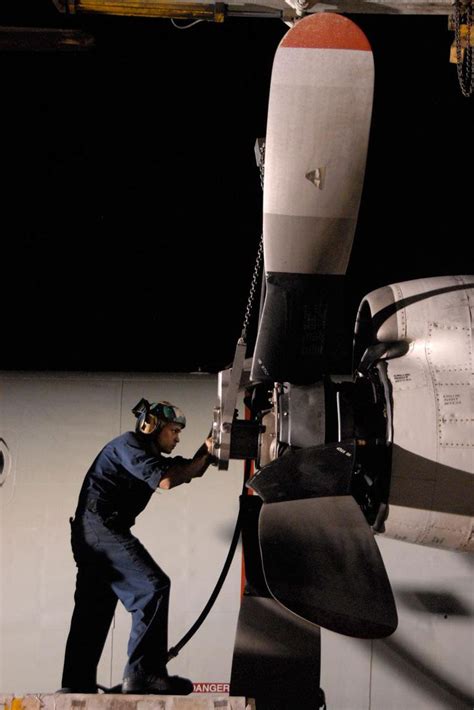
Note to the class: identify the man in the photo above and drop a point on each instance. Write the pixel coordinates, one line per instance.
(112, 564)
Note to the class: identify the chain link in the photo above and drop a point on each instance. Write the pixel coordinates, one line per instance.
(253, 287)
(260, 158)
(464, 67)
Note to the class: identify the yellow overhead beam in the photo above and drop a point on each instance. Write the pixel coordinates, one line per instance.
(466, 40)
(147, 8)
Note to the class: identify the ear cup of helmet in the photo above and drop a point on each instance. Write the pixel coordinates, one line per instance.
(147, 424)
(153, 417)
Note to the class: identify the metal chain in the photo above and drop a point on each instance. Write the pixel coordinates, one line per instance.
(260, 158)
(464, 67)
(253, 286)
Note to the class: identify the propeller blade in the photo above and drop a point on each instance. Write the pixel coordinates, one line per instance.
(300, 328)
(321, 562)
(276, 656)
(315, 154)
(306, 473)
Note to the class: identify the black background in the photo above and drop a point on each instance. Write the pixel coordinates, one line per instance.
(131, 200)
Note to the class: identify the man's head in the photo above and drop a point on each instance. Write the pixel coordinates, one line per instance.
(161, 420)
(167, 437)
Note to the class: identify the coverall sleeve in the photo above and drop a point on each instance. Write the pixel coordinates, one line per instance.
(146, 466)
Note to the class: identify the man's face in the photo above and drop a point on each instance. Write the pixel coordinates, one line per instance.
(168, 437)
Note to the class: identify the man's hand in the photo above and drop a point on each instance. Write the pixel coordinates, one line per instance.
(185, 471)
(210, 449)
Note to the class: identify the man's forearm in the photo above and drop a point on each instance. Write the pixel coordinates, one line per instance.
(184, 472)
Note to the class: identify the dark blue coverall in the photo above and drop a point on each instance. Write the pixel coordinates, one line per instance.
(112, 564)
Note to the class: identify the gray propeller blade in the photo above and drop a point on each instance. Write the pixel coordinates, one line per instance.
(312, 472)
(276, 656)
(321, 562)
(300, 328)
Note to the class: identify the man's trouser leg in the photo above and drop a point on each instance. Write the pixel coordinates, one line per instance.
(144, 590)
(94, 608)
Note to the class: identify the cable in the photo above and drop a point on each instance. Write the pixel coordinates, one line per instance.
(173, 652)
(185, 27)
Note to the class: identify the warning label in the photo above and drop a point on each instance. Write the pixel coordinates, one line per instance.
(407, 375)
(211, 687)
(402, 377)
(452, 399)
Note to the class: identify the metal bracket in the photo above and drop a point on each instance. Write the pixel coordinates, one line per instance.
(228, 388)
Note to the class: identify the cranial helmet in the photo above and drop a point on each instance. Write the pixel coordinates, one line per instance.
(153, 417)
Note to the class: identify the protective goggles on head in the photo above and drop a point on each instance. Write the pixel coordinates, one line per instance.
(152, 417)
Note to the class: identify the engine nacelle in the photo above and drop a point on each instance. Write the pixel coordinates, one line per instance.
(430, 388)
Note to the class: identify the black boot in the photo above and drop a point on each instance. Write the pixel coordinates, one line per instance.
(156, 685)
(84, 689)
